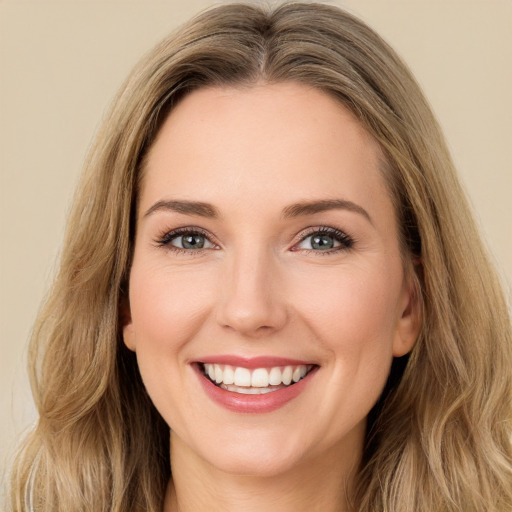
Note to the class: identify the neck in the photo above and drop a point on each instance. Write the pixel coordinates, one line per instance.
(321, 484)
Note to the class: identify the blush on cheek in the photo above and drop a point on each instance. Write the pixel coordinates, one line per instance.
(171, 302)
(360, 308)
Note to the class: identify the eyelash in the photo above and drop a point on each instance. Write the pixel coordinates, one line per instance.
(346, 242)
(165, 239)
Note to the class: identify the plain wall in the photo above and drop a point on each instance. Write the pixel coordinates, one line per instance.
(61, 62)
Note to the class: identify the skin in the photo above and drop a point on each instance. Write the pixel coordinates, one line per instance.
(258, 288)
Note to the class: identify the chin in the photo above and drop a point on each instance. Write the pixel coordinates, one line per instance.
(248, 452)
(261, 465)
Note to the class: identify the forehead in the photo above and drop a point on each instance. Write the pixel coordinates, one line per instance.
(222, 143)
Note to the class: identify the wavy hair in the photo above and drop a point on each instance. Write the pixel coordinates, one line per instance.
(439, 439)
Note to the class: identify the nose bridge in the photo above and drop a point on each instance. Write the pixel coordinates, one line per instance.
(251, 297)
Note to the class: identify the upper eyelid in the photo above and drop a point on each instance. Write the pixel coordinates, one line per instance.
(347, 241)
(166, 236)
(184, 230)
(305, 233)
(319, 229)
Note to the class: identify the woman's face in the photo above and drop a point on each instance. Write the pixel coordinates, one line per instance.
(266, 251)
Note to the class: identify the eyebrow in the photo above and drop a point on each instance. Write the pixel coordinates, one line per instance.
(294, 210)
(185, 207)
(312, 207)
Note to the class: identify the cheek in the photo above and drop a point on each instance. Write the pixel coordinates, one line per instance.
(352, 308)
(168, 306)
(167, 310)
(351, 313)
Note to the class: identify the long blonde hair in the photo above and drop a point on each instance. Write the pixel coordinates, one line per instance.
(439, 440)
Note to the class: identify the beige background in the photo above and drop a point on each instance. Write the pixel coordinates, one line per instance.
(62, 61)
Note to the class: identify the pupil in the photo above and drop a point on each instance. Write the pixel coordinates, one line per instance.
(322, 242)
(193, 242)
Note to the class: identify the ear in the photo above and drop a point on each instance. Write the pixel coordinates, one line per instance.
(125, 320)
(410, 315)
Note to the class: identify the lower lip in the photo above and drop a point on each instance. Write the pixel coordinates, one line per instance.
(266, 402)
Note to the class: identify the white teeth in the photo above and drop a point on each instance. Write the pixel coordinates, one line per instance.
(259, 378)
(257, 381)
(218, 374)
(274, 378)
(242, 377)
(248, 391)
(299, 372)
(287, 375)
(229, 375)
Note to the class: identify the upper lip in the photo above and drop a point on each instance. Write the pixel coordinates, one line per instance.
(253, 362)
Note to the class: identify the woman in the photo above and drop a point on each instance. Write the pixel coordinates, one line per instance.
(271, 256)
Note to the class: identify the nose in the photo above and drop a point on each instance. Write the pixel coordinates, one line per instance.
(252, 296)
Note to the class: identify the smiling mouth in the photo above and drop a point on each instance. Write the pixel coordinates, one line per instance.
(256, 381)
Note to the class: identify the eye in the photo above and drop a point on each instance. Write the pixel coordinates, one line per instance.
(186, 240)
(191, 241)
(325, 240)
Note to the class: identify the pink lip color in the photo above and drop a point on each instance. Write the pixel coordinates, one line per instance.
(238, 402)
(253, 362)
